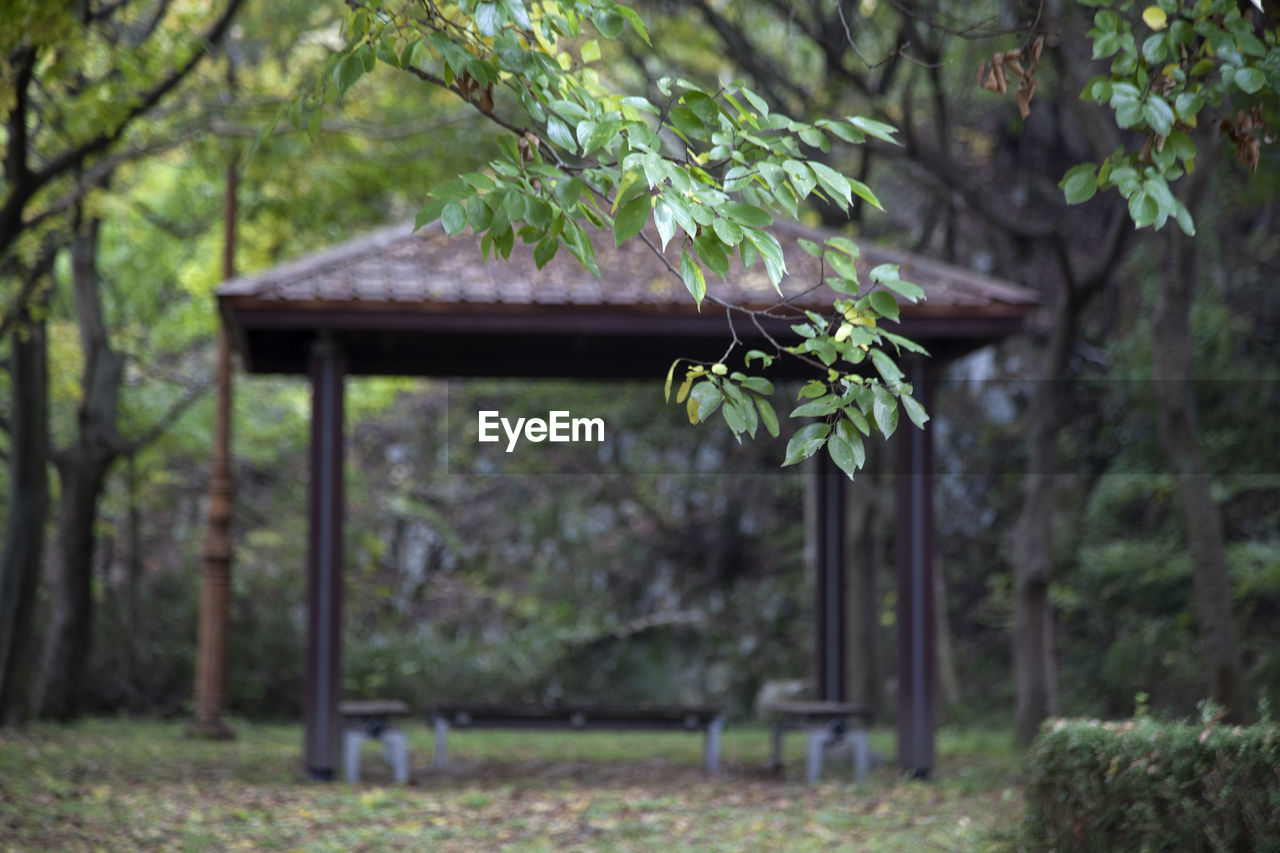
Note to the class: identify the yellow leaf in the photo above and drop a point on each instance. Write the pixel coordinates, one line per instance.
(1155, 17)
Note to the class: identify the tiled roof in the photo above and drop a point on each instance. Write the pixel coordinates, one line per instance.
(397, 269)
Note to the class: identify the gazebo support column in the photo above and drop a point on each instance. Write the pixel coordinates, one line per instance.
(829, 602)
(324, 561)
(915, 588)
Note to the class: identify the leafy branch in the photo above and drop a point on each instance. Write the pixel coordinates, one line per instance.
(1168, 67)
(708, 170)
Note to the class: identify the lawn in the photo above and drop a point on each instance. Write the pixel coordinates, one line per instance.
(126, 785)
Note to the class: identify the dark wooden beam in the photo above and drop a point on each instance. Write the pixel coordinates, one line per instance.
(829, 600)
(324, 561)
(915, 587)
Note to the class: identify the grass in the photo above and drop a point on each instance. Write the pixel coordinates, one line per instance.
(144, 785)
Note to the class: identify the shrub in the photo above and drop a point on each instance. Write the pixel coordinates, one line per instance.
(1147, 785)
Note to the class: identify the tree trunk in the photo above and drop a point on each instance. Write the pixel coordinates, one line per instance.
(82, 472)
(1179, 437)
(28, 511)
(1034, 671)
(60, 689)
(948, 681)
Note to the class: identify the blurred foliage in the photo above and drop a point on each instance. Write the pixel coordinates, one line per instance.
(666, 564)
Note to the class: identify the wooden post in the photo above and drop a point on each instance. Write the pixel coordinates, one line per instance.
(915, 589)
(324, 562)
(215, 590)
(829, 597)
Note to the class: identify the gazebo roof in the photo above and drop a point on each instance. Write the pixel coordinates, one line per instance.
(427, 304)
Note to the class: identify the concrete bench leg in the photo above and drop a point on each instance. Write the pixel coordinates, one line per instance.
(775, 752)
(813, 760)
(861, 754)
(397, 749)
(711, 749)
(352, 740)
(395, 745)
(442, 733)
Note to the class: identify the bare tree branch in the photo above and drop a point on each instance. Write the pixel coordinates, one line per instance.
(161, 426)
(741, 48)
(25, 183)
(99, 173)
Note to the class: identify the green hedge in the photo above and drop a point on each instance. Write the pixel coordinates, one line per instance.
(1144, 785)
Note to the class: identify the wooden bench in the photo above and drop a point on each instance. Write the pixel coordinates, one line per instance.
(580, 718)
(374, 719)
(826, 723)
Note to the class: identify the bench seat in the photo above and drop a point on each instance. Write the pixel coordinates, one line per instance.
(695, 718)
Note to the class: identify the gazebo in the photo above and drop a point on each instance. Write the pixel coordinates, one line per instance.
(399, 302)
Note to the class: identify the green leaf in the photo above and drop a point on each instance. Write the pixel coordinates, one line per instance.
(665, 222)
(590, 51)
(631, 219)
(454, 218)
(884, 304)
(348, 70)
(707, 395)
(729, 233)
(1143, 209)
(1183, 217)
(857, 419)
(848, 457)
(818, 408)
(811, 248)
(761, 105)
(559, 133)
(609, 23)
(545, 251)
(909, 291)
(801, 177)
(693, 277)
(429, 212)
(767, 416)
(1158, 114)
(836, 185)
(885, 365)
(636, 23)
(864, 192)
(746, 214)
(815, 139)
(877, 129)
(807, 441)
(903, 343)
(486, 16)
(884, 410)
(712, 252)
(756, 383)
(518, 13)
(771, 251)
(734, 418)
(1187, 104)
(843, 267)
(1250, 79)
(915, 411)
(1080, 183)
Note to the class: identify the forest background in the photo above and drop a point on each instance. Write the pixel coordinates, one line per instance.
(670, 568)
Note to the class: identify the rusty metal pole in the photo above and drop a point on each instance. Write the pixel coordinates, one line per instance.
(215, 592)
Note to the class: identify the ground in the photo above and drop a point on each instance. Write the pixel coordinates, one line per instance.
(130, 785)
